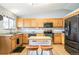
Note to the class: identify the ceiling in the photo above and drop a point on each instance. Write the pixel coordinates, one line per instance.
(55, 10)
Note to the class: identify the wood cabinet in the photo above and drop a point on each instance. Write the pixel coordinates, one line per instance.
(21, 37)
(27, 22)
(63, 38)
(13, 42)
(25, 39)
(19, 22)
(58, 37)
(39, 22)
(58, 23)
(35, 23)
(7, 44)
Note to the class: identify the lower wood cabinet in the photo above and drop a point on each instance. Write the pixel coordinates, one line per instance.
(25, 39)
(13, 42)
(21, 38)
(9, 43)
(58, 38)
(6, 44)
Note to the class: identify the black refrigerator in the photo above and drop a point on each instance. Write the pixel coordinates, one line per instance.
(72, 35)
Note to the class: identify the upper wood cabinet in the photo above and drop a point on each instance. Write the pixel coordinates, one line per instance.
(27, 23)
(58, 23)
(39, 22)
(19, 22)
(34, 23)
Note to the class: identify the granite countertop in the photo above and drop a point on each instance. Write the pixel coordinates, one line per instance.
(6, 34)
(32, 32)
(9, 34)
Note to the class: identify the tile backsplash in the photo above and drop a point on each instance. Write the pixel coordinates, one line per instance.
(31, 30)
(40, 30)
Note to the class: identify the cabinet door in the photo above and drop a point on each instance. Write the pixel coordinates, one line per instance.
(19, 22)
(5, 45)
(57, 38)
(54, 23)
(27, 23)
(13, 39)
(58, 23)
(34, 23)
(25, 38)
(20, 37)
(40, 22)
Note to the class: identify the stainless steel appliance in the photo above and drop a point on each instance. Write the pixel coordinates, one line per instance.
(48, 31)
(72, 35)
(48, 25)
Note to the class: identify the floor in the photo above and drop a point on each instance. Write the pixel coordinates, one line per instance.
(58, 49)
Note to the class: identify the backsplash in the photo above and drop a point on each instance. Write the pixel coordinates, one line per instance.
(40, 30)
(31, 30)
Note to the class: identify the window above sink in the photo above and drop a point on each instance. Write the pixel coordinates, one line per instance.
(8, 23)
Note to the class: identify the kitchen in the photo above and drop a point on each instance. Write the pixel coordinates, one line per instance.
(32, 31)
